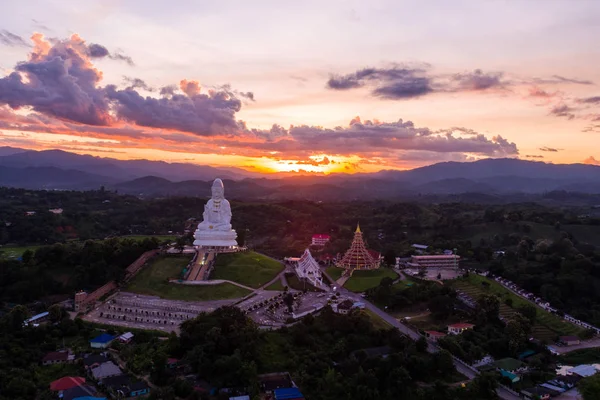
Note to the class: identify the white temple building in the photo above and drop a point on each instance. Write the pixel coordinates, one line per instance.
(214, 233)
(308, 268)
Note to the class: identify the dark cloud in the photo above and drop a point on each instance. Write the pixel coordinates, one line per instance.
(316, 163)
(122, 57)
(368, 137)
(168, 90)
(97, 50)
(137, 83)
(60, 81)
(478, 80)
(562, 79)
(562, 110)
(202, 114)
(248, 95)
(390, 83)
(549, 149)
(10, 39)
(590, 100)
(533, 156)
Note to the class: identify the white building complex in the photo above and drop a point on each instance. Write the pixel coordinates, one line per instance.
(437, 261)
(306, 267)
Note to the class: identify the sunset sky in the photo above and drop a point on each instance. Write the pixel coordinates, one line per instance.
(320, 86)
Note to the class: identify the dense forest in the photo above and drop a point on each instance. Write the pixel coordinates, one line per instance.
(62, 269)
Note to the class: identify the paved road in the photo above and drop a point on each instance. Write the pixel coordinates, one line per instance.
(460, 366)
(583, 345)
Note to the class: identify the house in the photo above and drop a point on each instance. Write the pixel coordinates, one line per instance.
(245, 397)
(508, 364)
(172, 363)
(79, 392)
(456, 329)
(288, 394)
(93, 360)
(583, 370)
(126, 337)
(126, 386)
(570, 340)
(30, 213)
(102, 341)
(420, 248)
(105, 370)
(66, 383)
(37, 319)
(434, 335)
(58, 357)
(345, 306)
(56, 210)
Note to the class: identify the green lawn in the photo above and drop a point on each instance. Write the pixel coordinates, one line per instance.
(154, 280)
(248, 268)
(275, 286)
(583, 356)
(364, 280)
(334, 272)
(16, 251)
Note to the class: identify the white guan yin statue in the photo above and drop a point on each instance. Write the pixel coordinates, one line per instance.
(215, 229)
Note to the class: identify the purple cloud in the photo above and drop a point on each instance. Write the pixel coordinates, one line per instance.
(11, 39)
(563, 110)
(478, 80)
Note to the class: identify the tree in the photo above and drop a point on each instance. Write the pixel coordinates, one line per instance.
(487, 309)
(517, 330)
(421, 345)
(18, 315)
(180, 243)
(57, 313)
(528, 311)
(483, 387)
(590, 387)
(288, 299)
(389, 258)
(441, 307)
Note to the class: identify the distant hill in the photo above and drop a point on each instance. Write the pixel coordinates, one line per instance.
(488, 179)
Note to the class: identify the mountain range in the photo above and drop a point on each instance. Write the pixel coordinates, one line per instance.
(61, 170)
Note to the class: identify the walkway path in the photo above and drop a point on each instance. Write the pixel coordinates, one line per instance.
(212, 282)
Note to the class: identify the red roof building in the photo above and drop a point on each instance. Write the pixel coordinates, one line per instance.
(66, 383)
(434, 335)
(456, 329)
(320, 240)
(57, 357)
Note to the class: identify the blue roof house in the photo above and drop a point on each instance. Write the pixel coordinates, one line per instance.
(102, 341)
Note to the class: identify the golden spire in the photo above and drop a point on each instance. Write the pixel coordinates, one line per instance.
(357, 227)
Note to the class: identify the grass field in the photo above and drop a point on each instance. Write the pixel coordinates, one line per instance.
(275, 286)
(16, 252)
(376, 320)
(250, 268)
(334, 272)
(547, 325)
(153, 280)
(364, 280)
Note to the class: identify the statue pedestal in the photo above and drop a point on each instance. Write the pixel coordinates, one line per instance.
(215, 241)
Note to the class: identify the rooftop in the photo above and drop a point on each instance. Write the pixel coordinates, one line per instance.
(321, 236)
(38, 316)
(56, 356)
(569, 338)
(105, 370)
(288, 394)
(583, 370)
(508, 364)
(461, 325)
(66, 382)
(420, 246)
(437, 257)
(104, 338)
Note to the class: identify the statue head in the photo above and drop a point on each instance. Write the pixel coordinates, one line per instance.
(218, 190)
